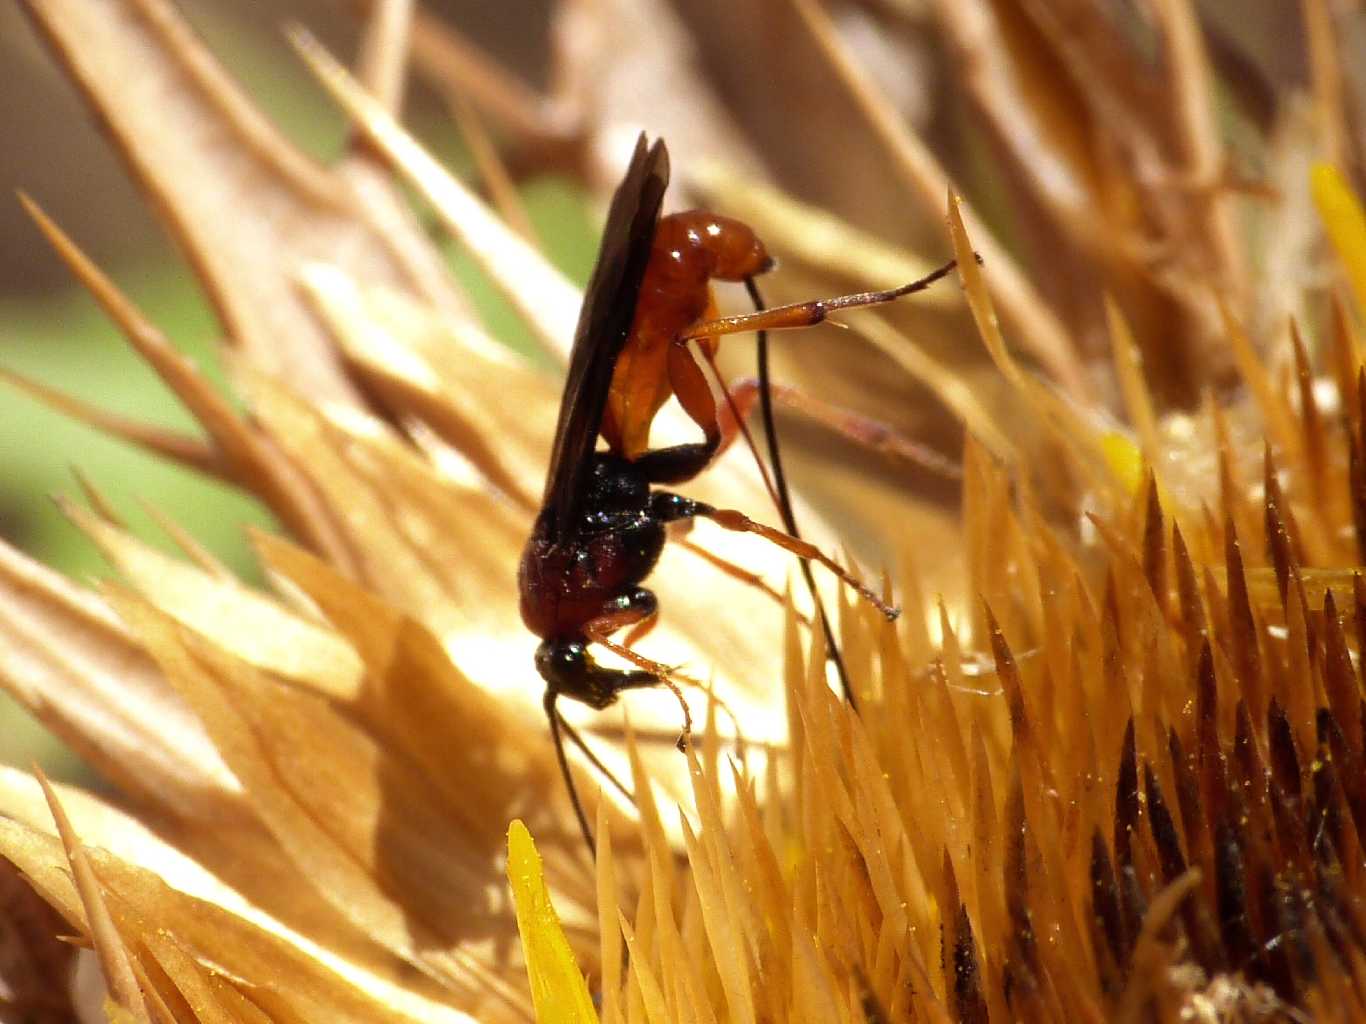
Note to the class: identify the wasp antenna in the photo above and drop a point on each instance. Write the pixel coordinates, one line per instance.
(554, 716)
(593, 758)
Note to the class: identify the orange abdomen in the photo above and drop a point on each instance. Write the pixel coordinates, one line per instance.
(690, 250)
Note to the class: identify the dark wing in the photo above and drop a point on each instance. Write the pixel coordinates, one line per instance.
(609, 306)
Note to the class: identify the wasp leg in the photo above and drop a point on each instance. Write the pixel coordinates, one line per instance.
(874, 435)
(806, 314)
(738, 522)
(636, 606)
(667, 507)
(640, 630)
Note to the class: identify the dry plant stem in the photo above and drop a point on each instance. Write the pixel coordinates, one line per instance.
(509, 259)
(96, 499)
(245, 455)
(177, 448)
(459, 68)
(185, 541)
(108, 943)
(494, 173)
(1201, 149)
(1325, 69)
(383, 63)
(209, 150)
(1129, 373)
(1038, 328)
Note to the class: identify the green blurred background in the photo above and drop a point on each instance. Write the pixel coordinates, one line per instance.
(53, 332)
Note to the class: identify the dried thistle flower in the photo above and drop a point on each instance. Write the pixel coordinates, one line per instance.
(1114, 772)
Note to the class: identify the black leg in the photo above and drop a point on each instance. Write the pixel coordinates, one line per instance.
(775, 461)
(679, 462)
(667, 507)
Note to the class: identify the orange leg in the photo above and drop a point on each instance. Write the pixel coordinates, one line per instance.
(664, 672)
(641, 630)
(807, 314)
(730, 519)
(600, 635)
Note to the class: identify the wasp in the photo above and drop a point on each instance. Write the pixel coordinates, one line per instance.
(648, 312)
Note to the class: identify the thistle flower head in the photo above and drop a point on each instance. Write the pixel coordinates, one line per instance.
(1107, 765)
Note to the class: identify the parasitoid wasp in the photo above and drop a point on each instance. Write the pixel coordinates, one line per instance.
(601, 526)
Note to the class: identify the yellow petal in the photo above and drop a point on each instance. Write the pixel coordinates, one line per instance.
(1124, 459)
(1345, 222)
(558, 989)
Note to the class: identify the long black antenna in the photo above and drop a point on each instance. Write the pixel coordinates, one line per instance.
(552, 713)
(775, 460)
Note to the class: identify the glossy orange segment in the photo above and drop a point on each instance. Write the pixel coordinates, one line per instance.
(690, 250)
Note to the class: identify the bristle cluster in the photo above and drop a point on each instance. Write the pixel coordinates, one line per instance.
(1125, 781)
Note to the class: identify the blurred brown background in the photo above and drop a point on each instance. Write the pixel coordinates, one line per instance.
(53, 150)
(52, 332)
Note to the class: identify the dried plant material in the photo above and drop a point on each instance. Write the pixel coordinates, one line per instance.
(547, 302)
(493, 172)
(1108, 766)
(1200, 156)
(109, 944)
(1129, 372)
(1325, 67)
(401, 349)
(226, 926)
(171, 445)
(458, 67)
(199, 148)
(196, 552)
(34, 963)
(383, 62)
(258, 629)
(1059, 417)
(68, 658)
(1035, 323)
(243, 455)
(296, 976)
